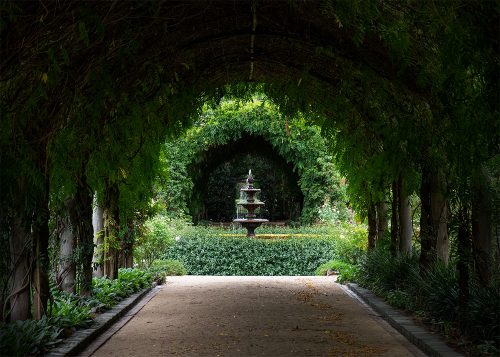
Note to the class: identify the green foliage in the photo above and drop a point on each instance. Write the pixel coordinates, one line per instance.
(435, 296)
(350, 249)
(432, 99)
(347, 272)
(110, 292)
(483, 315)
(380, 272)
(331, 214)
(168, 267)
(69, 311)
(29, 337)
(350, 242)
(294, 139)
(280, 251)
(242, 256)
(158, 235)
(136, 279)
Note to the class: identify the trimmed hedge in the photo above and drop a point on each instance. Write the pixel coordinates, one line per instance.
(212, 255)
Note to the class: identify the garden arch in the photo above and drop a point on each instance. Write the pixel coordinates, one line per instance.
(233, 129)
(90, 89)
(205, 205)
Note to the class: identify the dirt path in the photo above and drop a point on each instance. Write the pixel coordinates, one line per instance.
(255, 316)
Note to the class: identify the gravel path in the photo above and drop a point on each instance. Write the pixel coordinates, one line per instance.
(255, 316)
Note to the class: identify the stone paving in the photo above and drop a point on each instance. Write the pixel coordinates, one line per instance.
(253, 316)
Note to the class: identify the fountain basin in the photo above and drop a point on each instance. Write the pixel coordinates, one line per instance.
(249, 205)
(250, 224)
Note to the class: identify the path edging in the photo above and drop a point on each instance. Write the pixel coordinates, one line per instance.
(428, 342)
(81, 338)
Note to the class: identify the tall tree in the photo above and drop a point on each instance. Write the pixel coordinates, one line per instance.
(405, 221)
(394, 247)
(382, 219)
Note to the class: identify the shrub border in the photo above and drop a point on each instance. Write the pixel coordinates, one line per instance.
(77, 342)
(429, 343)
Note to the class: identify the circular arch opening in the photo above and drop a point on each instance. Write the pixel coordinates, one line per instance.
(217, 175)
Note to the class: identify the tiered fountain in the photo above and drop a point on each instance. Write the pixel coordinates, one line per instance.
(250, 222)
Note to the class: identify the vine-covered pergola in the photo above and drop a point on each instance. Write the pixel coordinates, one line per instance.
(407, 91)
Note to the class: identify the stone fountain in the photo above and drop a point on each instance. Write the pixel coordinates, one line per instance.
(250, 203)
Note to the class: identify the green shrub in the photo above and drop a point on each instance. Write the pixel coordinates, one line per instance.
(402, 299)
(435, 297)
(438, 292)
(158, 237)
(483, 320)
(69, 314)
(168, 267)
(215, 255)
(351, 243)
(110, 292)
(381, 272)
(29, 337)
(134, 278)
(346, 271)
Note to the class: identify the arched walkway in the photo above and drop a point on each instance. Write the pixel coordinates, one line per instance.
(90, 89)
(255, 316)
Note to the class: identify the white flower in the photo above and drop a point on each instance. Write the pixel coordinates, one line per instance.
(177, 238)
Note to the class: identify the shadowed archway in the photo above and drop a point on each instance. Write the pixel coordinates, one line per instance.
(104, 82)
(212, 203)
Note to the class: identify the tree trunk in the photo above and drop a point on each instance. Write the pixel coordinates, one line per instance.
(126, 259)
(126, 252)
(439, 214)
(98, 225)
(433, 220)
(427, 235)
(66, 277)
(129, 260)
(20, 247)
(41, 290)
(405, 222)
(382, 219)
(81, 219)
(372, 226)
(5, 264)
(463, 250)
(111, 230)
(395, 219)
(482, 231)
(111, 263)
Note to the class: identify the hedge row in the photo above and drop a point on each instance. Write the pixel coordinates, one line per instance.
(244, 256)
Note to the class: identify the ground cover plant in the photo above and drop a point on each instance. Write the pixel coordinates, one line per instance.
(68, 312)
(435, 299)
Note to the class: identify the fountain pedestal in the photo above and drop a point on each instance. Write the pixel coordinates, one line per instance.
(250, 222)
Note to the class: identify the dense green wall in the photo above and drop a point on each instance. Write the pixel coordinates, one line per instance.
(227, 132)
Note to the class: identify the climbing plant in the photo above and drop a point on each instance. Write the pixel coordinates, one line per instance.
(293, 138)
(405, 91)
